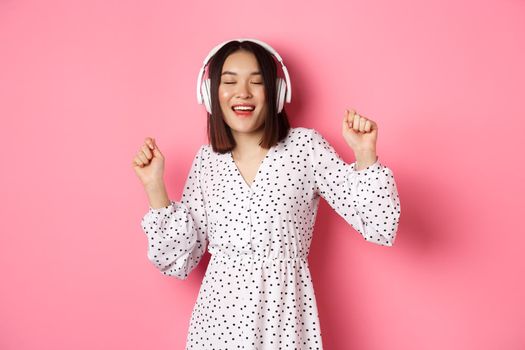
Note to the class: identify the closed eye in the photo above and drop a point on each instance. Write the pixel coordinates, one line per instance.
(234, 83)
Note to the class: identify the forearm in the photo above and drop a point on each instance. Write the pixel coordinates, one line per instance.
(365, 158)
(157, 195)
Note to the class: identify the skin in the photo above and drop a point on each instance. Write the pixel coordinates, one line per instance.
(360, 133)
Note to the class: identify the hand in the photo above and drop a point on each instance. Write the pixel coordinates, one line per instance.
(359, 132)
(149, 163)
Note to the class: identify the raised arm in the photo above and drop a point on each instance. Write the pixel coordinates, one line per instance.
(177, 233)
(367, 199)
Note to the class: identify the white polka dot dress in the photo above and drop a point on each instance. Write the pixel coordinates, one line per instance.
(257, 291)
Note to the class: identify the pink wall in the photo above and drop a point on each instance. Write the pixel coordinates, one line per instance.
(83, 82)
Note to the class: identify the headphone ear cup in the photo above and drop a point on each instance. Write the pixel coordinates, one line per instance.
(281, 93)
(206, 96)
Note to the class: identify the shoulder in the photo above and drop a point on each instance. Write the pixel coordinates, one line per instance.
(310, 135)
(302, 132)
(202, 153)
(307, 137)
(205, 151)
(309, 140)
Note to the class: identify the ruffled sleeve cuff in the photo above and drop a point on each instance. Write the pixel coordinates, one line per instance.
(368, 170)
(173, 216)
(164, 210)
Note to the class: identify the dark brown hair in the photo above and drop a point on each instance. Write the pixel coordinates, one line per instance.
(276, 125)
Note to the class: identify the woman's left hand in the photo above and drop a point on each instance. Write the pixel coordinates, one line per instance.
(360, 133)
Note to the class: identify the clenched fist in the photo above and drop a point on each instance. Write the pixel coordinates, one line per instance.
(359, 132)
(149, 163)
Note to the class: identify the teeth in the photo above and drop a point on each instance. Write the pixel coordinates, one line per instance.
(243, 108)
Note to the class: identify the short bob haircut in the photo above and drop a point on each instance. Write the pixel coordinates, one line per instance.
(276, 126)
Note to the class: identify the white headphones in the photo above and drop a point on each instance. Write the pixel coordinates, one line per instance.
(284, 88)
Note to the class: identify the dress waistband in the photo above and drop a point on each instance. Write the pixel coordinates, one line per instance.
(255, 257)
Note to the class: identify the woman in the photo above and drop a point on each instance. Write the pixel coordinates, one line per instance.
(251, 198)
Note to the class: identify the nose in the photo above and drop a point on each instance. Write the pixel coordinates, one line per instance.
(244, 90)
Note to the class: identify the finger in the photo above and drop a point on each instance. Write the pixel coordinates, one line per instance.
(150, 142)
(138, 162)
(368, 126)
(355, 121)
(350, 118)
(346, 121)
(147, 151)
(143, 158)
(362, 122)
(373, 125)
(156, 150)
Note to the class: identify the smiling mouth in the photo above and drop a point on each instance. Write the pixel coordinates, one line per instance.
(248, 108)
(241, 113)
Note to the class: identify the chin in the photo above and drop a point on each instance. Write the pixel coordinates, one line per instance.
(244, 127)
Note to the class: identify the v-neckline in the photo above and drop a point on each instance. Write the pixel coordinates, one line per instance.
(255, 180)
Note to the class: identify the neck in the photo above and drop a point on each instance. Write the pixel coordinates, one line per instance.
(248, 144)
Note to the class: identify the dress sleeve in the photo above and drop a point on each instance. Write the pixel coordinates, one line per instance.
(177, 234)
(367, 199)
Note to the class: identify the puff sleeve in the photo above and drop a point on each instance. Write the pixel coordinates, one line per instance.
(367, 199)
(177, 233)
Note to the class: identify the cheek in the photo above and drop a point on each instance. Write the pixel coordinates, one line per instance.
(223, 95)
(262, 96)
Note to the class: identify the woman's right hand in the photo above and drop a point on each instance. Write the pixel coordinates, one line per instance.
(149, 163)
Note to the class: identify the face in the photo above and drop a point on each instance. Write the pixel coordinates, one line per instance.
(242, 83)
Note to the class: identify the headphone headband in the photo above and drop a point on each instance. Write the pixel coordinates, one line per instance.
(263, 44)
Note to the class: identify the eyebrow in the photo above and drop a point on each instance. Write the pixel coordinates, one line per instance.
(233, 73)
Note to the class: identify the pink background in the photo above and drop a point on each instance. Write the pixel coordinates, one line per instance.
(82, 83)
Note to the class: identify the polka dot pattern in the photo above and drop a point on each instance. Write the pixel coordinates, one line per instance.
(257, 291)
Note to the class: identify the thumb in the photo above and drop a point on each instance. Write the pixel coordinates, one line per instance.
(156, 150)
(346, 119)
